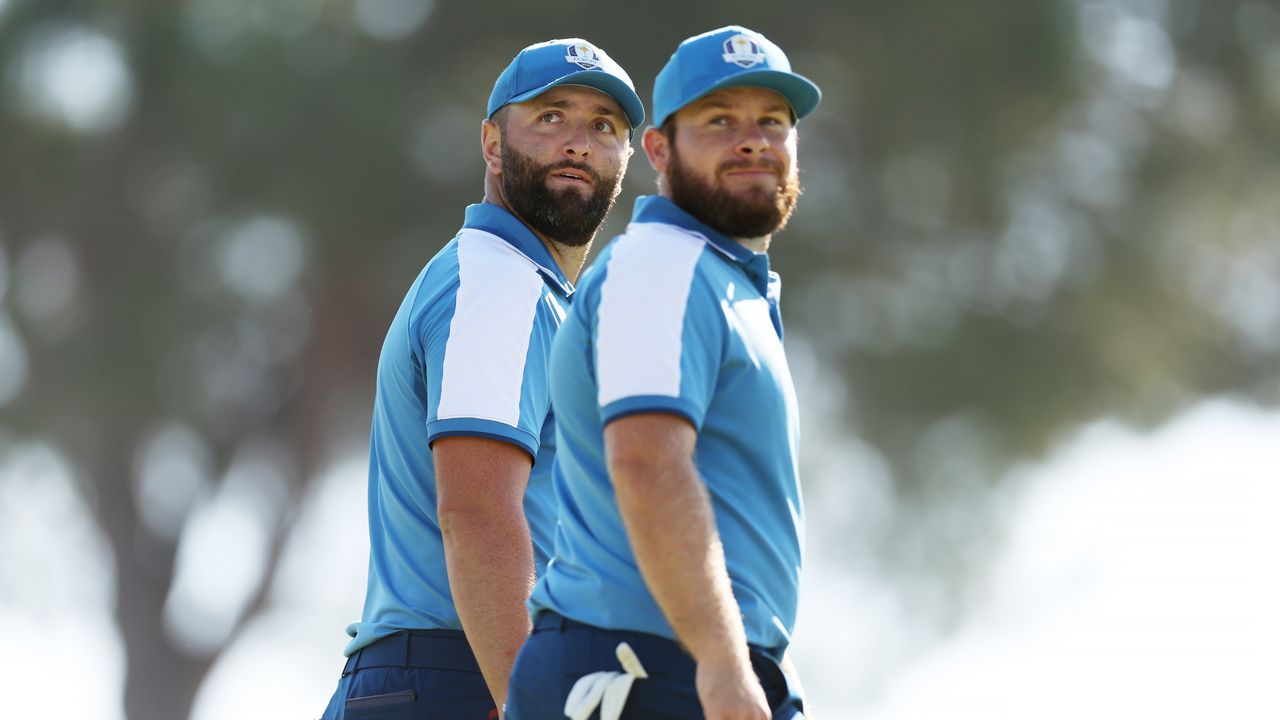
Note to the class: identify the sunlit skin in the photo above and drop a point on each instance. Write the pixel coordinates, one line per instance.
(574, 123)
(742, 139)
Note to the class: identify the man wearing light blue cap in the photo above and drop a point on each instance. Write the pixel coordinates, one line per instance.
(461, 508)
(673, 589)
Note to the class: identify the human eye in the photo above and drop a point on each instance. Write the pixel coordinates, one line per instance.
(604, 126)
(550, 116)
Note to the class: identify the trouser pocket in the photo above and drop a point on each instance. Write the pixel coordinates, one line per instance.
(388, 706)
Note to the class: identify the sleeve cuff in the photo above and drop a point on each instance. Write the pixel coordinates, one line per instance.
(476, 427)
(652, 403)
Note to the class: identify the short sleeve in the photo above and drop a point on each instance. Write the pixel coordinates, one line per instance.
(484, 357)
(658, 341)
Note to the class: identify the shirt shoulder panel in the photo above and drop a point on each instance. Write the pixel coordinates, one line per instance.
(641, 315)
(483, 363)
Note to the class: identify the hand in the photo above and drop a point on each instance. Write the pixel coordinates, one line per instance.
(728, 690)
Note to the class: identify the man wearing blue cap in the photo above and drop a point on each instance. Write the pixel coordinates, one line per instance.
(672, 592)
(461, 509)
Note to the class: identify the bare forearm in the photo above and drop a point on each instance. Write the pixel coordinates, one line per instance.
(669, 519)
(672, 529)
(490, 561)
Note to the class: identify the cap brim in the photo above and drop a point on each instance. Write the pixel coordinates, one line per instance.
(626, 98)
(801, 93)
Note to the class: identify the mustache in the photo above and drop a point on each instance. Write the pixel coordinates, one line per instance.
(571, 165)
(772, 166)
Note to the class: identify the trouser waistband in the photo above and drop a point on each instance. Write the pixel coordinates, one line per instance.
(551, 620)
(438, 649)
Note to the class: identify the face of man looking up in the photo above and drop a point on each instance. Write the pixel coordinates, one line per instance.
(561, 158)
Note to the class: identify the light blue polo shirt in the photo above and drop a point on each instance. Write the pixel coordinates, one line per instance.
(675, 317)
(465, 355)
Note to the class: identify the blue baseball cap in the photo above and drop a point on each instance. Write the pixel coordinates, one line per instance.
(732, 56)
(538, 68)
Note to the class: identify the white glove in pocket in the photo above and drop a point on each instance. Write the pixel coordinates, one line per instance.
(607, 687)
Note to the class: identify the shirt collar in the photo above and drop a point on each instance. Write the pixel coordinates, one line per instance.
(499, 221)
(658, 209)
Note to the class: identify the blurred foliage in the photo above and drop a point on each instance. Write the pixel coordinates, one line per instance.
(1018, 216)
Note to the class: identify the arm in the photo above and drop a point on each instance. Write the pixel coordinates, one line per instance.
(668, 516)
(487, 547)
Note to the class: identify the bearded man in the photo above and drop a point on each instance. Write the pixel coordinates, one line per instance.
(461, 510)
(673, 590)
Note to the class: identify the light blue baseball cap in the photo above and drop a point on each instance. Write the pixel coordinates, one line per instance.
(574, 61)
(732, 56)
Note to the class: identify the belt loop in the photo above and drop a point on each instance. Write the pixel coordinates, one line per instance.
(407, 639)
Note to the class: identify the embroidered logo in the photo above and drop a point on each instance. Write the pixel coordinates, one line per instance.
(584, 56)
(742, 51)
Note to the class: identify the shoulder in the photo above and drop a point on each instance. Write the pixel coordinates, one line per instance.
(480, 251)
(477, 263)
(478, 278)
(652, 258)
(643, 240)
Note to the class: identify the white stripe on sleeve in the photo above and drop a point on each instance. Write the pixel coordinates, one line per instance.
(641, 314)
(498, 292)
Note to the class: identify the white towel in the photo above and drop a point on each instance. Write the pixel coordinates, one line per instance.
(610, 686)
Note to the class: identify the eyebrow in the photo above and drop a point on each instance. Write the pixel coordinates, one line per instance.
(566, 104)
(714, 104)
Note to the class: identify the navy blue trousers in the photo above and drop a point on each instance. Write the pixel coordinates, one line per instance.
(413, 675)
(561, 651)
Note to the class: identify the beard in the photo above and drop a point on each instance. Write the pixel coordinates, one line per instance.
(564, 216)
(754, 213)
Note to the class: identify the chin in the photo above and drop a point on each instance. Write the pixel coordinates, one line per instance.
(582, 192)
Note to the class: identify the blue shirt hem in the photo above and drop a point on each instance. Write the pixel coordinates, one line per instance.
(476, 427)
(652, 403)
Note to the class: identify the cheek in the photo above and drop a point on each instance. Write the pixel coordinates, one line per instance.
(613, 157)
(791, 149)
(705, 159)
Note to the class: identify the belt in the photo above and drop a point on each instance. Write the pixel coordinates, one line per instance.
(551, 620)
(437, 649)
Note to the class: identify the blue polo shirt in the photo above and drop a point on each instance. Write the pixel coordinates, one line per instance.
(675, 317)
(465, 355)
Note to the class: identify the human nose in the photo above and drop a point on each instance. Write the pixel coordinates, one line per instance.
(579, 143)
(753, 140)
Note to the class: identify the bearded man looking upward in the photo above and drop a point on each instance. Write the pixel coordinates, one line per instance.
(461, 511)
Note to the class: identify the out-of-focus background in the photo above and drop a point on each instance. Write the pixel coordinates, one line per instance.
(1033, 310)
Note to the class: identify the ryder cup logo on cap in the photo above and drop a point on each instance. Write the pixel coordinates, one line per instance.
(538, 68)
(732, 56)
(584, 56)
(742, 51)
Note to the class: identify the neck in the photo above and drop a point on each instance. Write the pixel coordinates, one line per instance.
(568, 258)
(756, 244)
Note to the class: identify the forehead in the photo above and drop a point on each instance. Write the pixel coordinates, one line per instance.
(575, 97)
(741, 98)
